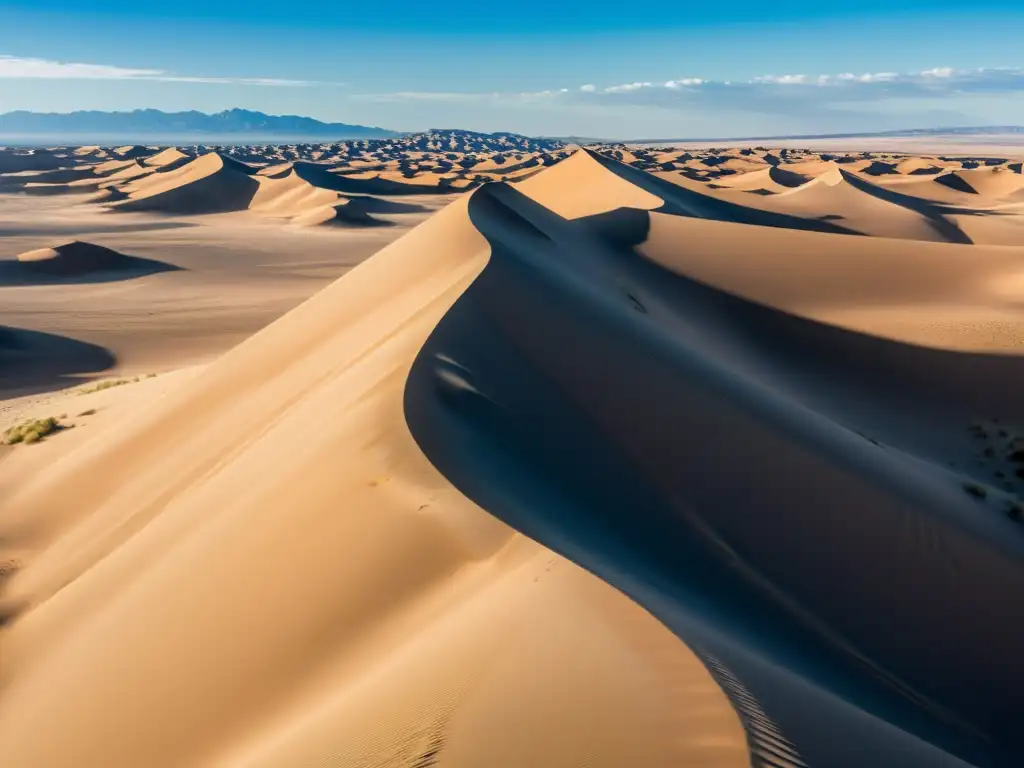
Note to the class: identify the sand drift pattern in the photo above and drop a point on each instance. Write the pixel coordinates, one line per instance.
(768, 747)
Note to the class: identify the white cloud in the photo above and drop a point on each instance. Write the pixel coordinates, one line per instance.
(16, 67)
(22, 68)
(792, 96)
(868, 77)
(782, 79)
(626, 88)
(846, 86)
(685, 82)
(442, 96)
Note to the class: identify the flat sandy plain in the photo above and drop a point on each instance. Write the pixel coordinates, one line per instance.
(462, 453)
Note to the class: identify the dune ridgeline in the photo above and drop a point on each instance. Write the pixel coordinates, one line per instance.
(648, 459)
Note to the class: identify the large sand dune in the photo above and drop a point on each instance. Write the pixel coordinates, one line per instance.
(613, 466)
(353, 607)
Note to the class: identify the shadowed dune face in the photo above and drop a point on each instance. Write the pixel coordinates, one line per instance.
(77, 260)
(31, 361)
(17, 161)
(74, 258)
(209, 184)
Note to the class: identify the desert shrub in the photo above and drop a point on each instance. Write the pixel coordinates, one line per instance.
(102, 385)
(31, 431)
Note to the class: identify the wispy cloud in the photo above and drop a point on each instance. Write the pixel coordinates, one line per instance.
(21, 68)
(784, 94)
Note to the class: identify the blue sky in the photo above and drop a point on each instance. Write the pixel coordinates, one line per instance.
(654, 69)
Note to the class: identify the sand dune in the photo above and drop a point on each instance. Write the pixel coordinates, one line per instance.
(465, 617)
(717, 465)
(919, 166)
(77, 261)
(290, 194)
(348, 212)
(989, 182)
(210, 183)
(74, 258)
(168, 157)
(132, 151)
(858, 204)
(771, 179)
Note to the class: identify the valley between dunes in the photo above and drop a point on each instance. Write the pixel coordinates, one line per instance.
(647, 458)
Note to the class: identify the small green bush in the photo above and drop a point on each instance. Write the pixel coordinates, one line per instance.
(31, 431)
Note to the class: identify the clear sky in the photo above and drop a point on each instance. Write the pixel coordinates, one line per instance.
(660, 68)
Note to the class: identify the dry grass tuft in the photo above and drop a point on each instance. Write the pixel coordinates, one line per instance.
(31, 431)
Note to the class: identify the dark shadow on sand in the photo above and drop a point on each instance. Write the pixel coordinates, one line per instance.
(15, 273)
(92, 229)
(377, 205)
(33, 361)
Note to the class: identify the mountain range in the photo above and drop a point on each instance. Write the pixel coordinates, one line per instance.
(151, 124)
